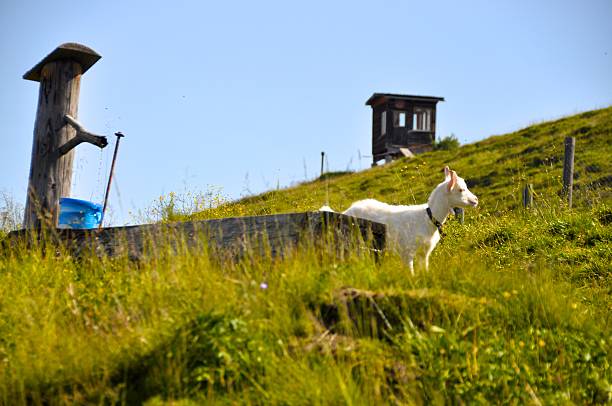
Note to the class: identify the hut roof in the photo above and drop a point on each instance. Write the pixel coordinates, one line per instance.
(378, 98)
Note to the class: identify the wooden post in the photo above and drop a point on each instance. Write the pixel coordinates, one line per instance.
(56, 131)
(322, 160)
(459, 214)
(568, 169)
(528, 196)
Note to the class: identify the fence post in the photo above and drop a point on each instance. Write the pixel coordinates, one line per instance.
(528, 196)
(568, 169)
(322, 160)
(459, 214)
(56, 131)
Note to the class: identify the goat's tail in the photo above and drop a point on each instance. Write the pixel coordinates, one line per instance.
(327, 208)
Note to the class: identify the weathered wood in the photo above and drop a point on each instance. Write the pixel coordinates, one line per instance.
(415, 135)
(50, 173)
(82, 135)
(50, 176)
(568, 169)
(85, 56)
(322, 161)
(229, 237)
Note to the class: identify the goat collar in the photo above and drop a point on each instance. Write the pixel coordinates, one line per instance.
(434, 221)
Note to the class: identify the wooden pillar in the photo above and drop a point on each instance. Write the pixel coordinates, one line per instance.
(568, 169)
(322, 161)
(59, 74)
(528, 196)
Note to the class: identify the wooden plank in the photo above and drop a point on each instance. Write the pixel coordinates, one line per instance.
(229, 237)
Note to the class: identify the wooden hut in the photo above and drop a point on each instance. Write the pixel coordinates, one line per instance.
(402, 125)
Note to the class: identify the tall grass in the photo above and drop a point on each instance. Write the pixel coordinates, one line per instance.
(11, 213)
(514, 309)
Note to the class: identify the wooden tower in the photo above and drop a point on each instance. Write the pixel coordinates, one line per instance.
(402, 125)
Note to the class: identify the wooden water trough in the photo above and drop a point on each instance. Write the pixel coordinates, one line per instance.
(228, 237)
(57, 132)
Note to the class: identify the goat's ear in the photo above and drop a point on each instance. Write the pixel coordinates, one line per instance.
(447, 172)
(453, 180)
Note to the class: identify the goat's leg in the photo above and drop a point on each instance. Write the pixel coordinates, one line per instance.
(408, 259)
(411, 265)
(427, 254)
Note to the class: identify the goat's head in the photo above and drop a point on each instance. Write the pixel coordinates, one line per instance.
(457, 191)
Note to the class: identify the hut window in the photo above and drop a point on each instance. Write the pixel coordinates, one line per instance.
(383, 123)
(399, 119)
(421, 120)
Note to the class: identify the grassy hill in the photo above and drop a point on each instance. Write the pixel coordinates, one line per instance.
(496, 169)
(515, 309)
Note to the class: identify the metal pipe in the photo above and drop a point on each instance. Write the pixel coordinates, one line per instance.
(110, 176)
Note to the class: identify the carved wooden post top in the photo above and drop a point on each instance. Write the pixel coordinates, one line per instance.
(85, 56)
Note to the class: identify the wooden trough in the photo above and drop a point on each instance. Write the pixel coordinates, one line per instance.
(57, 132)
(228, 237)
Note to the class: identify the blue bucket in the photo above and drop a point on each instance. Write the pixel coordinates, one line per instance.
(75, 213)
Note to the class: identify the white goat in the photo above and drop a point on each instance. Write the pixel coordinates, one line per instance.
(414, 231)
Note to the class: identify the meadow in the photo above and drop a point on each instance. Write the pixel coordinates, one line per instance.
(514, 310)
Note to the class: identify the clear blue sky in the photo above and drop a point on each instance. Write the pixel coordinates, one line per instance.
(245, 95)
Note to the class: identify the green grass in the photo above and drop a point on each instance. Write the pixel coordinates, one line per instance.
(515, 309)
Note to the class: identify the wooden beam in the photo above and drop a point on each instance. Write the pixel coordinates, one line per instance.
(82, 135)
(228, 237)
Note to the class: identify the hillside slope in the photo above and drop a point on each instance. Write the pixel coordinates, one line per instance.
(496, 170)
(516, 307)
